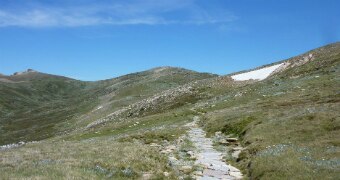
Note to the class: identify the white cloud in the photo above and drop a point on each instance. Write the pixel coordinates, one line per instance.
(137, 12)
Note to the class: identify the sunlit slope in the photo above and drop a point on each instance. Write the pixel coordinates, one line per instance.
(34, 106)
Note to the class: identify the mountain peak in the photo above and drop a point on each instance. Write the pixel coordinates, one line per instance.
(24, 72)
(162, 68)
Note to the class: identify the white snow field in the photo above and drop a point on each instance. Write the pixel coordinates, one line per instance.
(259, 74)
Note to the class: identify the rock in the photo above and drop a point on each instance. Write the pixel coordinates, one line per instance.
(155, 145)
(198, 173)
(171, 158)
(166, 174)
(171, 147)
(236, 154)
(236, 174)
(24, 72)
(190, 153)
(172, 161)
(223, 142)
(146, 176)
(237, 148)
(186, 169)
(21, 143)
(166, 151)
(232, 139)
(193, 158)
(218, 133)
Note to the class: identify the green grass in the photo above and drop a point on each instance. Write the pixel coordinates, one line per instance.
(289, 123)
(102, 159)
(39, 106)
(288, 132)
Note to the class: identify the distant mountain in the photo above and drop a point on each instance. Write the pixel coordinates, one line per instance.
(33, 104)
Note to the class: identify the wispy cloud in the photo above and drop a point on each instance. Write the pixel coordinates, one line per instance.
(109, 12)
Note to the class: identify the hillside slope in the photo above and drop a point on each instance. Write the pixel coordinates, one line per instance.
(285, 125)
(35, 106)
(289, 123)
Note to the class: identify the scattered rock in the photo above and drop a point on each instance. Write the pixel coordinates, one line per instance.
(237, 148)
(155, 102)
(223, 142)
(236, 175)
(171, 147)
(193, 158)
(186, 169)
(155, 145)
(166, 151)
(190, 153)
(198, 173)
(236, 154)
(24, 72)
(218, 133)
(173, 161)
(232, 139)
(166, 174)
(146, 176)
(14, 145)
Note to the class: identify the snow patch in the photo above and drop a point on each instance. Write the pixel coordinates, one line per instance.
(259, 74)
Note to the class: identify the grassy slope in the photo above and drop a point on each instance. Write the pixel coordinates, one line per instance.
(31, 109)
(288, 123)
(38, 106)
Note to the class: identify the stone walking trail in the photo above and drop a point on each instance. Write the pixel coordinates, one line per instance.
(208, 157)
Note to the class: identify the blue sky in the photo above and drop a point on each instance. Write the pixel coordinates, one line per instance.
(92, 40)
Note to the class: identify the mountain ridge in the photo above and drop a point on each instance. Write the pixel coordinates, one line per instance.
(285, 125)
(295, 58)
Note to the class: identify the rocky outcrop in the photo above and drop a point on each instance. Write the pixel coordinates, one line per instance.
(15, 145)
(24, 72)
(161, 101)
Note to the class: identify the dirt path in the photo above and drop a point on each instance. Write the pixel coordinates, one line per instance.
(208, 157)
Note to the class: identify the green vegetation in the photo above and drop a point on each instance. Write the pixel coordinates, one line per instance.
(102, 159)
(288, 124)
(37, 106)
